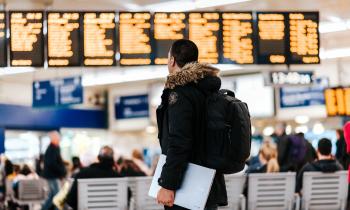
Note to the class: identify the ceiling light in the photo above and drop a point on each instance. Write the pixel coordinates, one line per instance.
(335, 53)
(318, 129)
(301, 129)
(302, 119)
(288, 129)
(268, 131)
(329, 27)
(213, 3)
(171, 6)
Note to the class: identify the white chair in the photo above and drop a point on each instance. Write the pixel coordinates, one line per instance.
(9, 190)
(103, 194)
(324, 191)
(234, 186)
(30, 192)
(271, 191)
(140, 200)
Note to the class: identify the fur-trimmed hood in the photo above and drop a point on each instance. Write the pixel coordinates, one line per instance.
(191, 72)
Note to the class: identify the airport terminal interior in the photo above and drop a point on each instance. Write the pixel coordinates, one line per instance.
(91, 73)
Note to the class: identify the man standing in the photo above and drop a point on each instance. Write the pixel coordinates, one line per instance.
(181, 122)
(54, 169)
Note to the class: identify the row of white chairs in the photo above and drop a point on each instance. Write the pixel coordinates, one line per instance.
(321, 191)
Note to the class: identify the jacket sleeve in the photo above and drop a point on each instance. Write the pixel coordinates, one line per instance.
(180, 141)
(72, 196)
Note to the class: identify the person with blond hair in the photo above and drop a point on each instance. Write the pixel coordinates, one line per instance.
(268, 162)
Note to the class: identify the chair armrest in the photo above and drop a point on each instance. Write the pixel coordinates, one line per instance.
(297, 201)
(243, 202)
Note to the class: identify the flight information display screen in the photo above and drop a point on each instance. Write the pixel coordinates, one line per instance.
(204, 30)
(238, 45)
(26, 38)
(304, 38)
(3, 42)
(337, 101)
(99, 32)
(272, 44)
(168, 27)
(134, 38)
(63, 38)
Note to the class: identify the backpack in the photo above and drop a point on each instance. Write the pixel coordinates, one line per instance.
(228, 133)
(297, 151)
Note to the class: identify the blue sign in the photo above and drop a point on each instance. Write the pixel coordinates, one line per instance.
(2, 140)
(57, 92)
(291, 97)
(128, 107)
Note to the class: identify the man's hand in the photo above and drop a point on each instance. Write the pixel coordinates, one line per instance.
(166, 197)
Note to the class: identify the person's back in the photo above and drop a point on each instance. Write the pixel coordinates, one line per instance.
(182, 122)
(103, 169)
(325, 162)
(53, 164)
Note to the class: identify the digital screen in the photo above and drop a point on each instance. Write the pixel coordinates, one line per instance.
(238, 45)
(271, 29)
(26, 38)
(134, 38)
(304, 38)
(204, 31)
(168, 27)
(337, 101)
(63, 38)
(99, 33)
(3, 42)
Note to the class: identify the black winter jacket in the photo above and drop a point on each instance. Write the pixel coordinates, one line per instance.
(53, 164)
(96, 170)
(182, 125)
(325, 166)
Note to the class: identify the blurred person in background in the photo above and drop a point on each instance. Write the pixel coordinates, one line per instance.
(54, 168)
(281, 139)
(347, 140)
(39, 164)
(138, 159)
(129, 169)
(76, 166)
(325, 163)
(341, 153)
(104, 168)
(267, 159)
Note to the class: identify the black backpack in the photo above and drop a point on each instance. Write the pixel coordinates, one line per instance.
(228, 135)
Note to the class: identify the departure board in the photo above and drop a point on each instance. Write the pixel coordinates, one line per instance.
(134, 38)
(204, 31)
(304, 38)
(272, 44)
(26, 38)
(99, 31)
(63, 45)
(238, 45)
(3, 42)
(337, 101)
(168, 27)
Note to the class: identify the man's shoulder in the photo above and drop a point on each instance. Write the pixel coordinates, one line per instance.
(96, 172)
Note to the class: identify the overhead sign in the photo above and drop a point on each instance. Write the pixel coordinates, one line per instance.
(3, 41)
(337, 101)
(2, 140)
(129, 107)
(285, 78)
(57, 92)
(291, 97)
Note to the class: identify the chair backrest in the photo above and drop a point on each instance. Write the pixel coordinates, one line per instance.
(31, 189)
(103, 194)
(140, 187)
(234, 186)
(9, 190)
(324, 190)
(271, 191)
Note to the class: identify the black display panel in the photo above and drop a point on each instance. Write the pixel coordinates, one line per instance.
(99, 38)
(63, 38)
(26, 38)
(271, 29)
(204, 30)
(168, 27)
(3, 40)
(237, 38)
(134, 38)
(304, 39)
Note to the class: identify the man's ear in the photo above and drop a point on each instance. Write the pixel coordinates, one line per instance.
(172, 61)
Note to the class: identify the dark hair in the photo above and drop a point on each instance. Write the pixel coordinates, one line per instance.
(76, 162)
(184, 51)
(325, 146)
(25, 170)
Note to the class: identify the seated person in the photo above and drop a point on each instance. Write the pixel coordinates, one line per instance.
(103, 169)
(325, 163)
(267, 159)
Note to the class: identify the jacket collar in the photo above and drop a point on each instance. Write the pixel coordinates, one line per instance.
(191, 72)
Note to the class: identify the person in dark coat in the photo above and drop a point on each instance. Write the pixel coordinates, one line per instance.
(341, 153)
(103, 169)
(182, 124)
(325, 162)
(54, 168)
